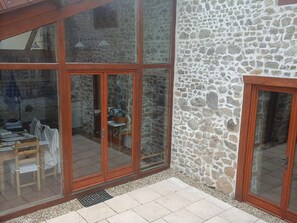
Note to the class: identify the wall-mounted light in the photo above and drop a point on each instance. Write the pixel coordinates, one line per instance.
(103, 43)
(79, 45)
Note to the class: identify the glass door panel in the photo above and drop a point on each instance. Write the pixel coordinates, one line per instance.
(293, 194)
(154, 128)
(120, 107)
(86, 116)
(270, 144)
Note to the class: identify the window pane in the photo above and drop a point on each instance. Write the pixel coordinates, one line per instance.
(157, 20)
(68, 2)
(270, 143)
(35, 46)
(28, 109)
(293, 194)
(103, 35)
(86, 121)
(154, 117)
(120, 107)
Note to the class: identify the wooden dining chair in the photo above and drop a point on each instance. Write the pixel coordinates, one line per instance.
(27, 160)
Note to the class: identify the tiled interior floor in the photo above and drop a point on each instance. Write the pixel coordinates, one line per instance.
(268, 175)
(87, 156)
(9, 199)
(168, 201)
(86, 160)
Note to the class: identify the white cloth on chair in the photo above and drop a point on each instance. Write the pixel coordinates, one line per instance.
(33, 125)
(52, 156)
(39, 131)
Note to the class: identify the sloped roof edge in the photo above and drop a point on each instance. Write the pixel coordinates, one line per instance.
(37, 15)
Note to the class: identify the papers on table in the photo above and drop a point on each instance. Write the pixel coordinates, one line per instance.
(7, 141)
(13, 124)
(115, 124)
(7, 148)
(4, 132)
(13, 139)
(43, 143)
(13, 135)
(3, 144)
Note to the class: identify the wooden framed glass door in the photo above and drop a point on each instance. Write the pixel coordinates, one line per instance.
(102, 109)
(87, 154)
(270, 148)
(269, 175)
(120, 107)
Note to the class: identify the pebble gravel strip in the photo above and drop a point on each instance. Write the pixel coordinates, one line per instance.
(45, 214)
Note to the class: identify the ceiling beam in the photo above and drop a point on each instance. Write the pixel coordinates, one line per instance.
(2, 5)
(20, 14)
(286, 2)
(31, 39)
(24, 24)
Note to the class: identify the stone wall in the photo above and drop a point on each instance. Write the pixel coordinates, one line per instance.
(38, 92)
(115, 44)
(217, 42)
(82, 90)
(157, 18)
(154, 111)
(119, 44)
(120, 93)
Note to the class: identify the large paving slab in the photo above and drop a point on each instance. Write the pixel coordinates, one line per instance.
(168, 201)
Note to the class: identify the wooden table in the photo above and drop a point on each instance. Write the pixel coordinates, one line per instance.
(114, 130)
(10, 155)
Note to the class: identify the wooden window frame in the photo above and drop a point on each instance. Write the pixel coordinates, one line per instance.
(251, 85)
(249, 82)
(38, 15)
(286, 2)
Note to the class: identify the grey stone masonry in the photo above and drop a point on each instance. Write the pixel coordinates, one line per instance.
(217, 42)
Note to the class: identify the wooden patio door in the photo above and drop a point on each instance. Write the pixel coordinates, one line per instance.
(101, 139)
(270, 173)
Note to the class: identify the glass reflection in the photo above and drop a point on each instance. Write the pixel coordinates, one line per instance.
(29, 110)
(120, 108)
(269, 157)
(86, 119)
(154, 117)
(35, 46)
(157, 21)
(293, 194)
(106, 34)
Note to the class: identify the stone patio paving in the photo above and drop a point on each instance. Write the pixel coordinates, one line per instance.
(168, 201)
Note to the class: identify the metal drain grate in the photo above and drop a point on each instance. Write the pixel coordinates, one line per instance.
(94, 198)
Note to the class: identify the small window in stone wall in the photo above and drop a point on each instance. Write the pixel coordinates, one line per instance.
(105, 17)
(286, 2)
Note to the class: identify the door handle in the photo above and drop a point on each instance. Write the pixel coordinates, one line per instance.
(286, 162)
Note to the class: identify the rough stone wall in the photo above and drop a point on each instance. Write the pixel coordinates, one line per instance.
(282, 118)
(67, 2)
(154, 111)
(38, 90)
(273, 117)
(120, 93)
(217, 42)
(31, 83)
(82, 90)
(157, 18)
(103, 45)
